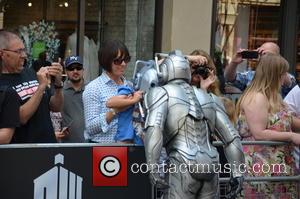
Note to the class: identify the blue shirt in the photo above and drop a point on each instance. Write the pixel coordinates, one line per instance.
(125, 127)
(95, 96)
(243, 79)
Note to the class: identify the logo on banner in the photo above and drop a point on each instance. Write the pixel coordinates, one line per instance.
(110, 166)
(58, 183)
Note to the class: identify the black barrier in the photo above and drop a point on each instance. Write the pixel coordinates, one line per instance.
(54, 171)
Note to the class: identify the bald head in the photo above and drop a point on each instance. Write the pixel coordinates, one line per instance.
(269, 47)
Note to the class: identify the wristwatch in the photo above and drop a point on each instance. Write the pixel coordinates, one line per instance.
(59, 86)
(113, 112)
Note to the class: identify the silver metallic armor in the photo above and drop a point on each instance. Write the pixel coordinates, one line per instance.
(182, 119)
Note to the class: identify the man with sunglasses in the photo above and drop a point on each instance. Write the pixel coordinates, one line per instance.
(72, 113)
(101, 122)
(34, 94)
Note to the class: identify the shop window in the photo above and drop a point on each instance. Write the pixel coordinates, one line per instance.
(245, 24)
(263, 25)
(34, 18)
(130, 21)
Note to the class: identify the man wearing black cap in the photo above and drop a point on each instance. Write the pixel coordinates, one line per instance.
(72, 113)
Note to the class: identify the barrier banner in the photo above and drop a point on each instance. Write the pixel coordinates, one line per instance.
(65, 171)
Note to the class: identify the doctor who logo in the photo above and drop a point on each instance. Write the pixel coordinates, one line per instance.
(58, 183)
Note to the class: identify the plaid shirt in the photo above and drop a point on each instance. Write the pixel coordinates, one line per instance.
(94, 98)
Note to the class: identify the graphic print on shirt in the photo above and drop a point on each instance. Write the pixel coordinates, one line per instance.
(26, 89)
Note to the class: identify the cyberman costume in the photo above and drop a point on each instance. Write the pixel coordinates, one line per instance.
(182, 119)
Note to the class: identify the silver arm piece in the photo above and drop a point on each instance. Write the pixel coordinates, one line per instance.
(232, 148)
(156, 104)
(230, 137)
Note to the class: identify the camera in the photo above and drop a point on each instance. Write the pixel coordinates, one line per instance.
(202, 70)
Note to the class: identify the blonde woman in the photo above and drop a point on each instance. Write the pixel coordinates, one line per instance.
(262, 115)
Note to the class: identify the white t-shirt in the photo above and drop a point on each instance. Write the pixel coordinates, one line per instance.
(293, 101)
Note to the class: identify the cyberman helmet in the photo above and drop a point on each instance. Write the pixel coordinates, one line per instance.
(145, 75)
(174, 66)
(148, 74)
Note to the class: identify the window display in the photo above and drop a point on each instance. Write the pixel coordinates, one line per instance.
(130, 21)
(40, 37)
(246, 24)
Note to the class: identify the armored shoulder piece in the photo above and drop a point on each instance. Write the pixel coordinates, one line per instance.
(155, 102)
(155, 97)
(223, 124)
(219, 104)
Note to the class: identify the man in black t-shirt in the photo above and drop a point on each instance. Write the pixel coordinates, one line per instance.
(9, 113)
(36, 98)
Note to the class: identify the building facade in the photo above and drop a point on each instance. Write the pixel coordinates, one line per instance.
(149, 26)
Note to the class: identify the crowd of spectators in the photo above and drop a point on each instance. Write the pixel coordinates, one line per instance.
(37, 106)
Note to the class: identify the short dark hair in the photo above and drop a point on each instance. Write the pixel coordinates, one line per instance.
(109, 52)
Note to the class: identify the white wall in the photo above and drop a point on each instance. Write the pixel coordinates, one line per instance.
(187, 25)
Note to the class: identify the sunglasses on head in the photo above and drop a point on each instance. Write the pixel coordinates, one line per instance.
(119, 60)
(72, 68)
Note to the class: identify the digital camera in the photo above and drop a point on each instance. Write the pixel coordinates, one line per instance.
(202, 70)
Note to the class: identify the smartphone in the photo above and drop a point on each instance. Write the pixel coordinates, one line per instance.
(249, 54)
(56, 58)
(65, 129)
(67, 126)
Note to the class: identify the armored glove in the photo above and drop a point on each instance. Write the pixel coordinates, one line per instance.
(157, 181)
(236, 186)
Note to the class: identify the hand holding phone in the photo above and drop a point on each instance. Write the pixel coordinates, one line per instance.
(65, 129)
(62, 134)
(249, 54)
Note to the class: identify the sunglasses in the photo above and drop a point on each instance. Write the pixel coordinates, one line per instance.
(119, 61)
(75, 67)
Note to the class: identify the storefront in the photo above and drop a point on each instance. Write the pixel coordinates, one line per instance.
(148, 26)
(247, 24)
(58, 26)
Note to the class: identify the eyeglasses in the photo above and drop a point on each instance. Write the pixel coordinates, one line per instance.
(18, 51)
(74, 67)
(118, 61)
